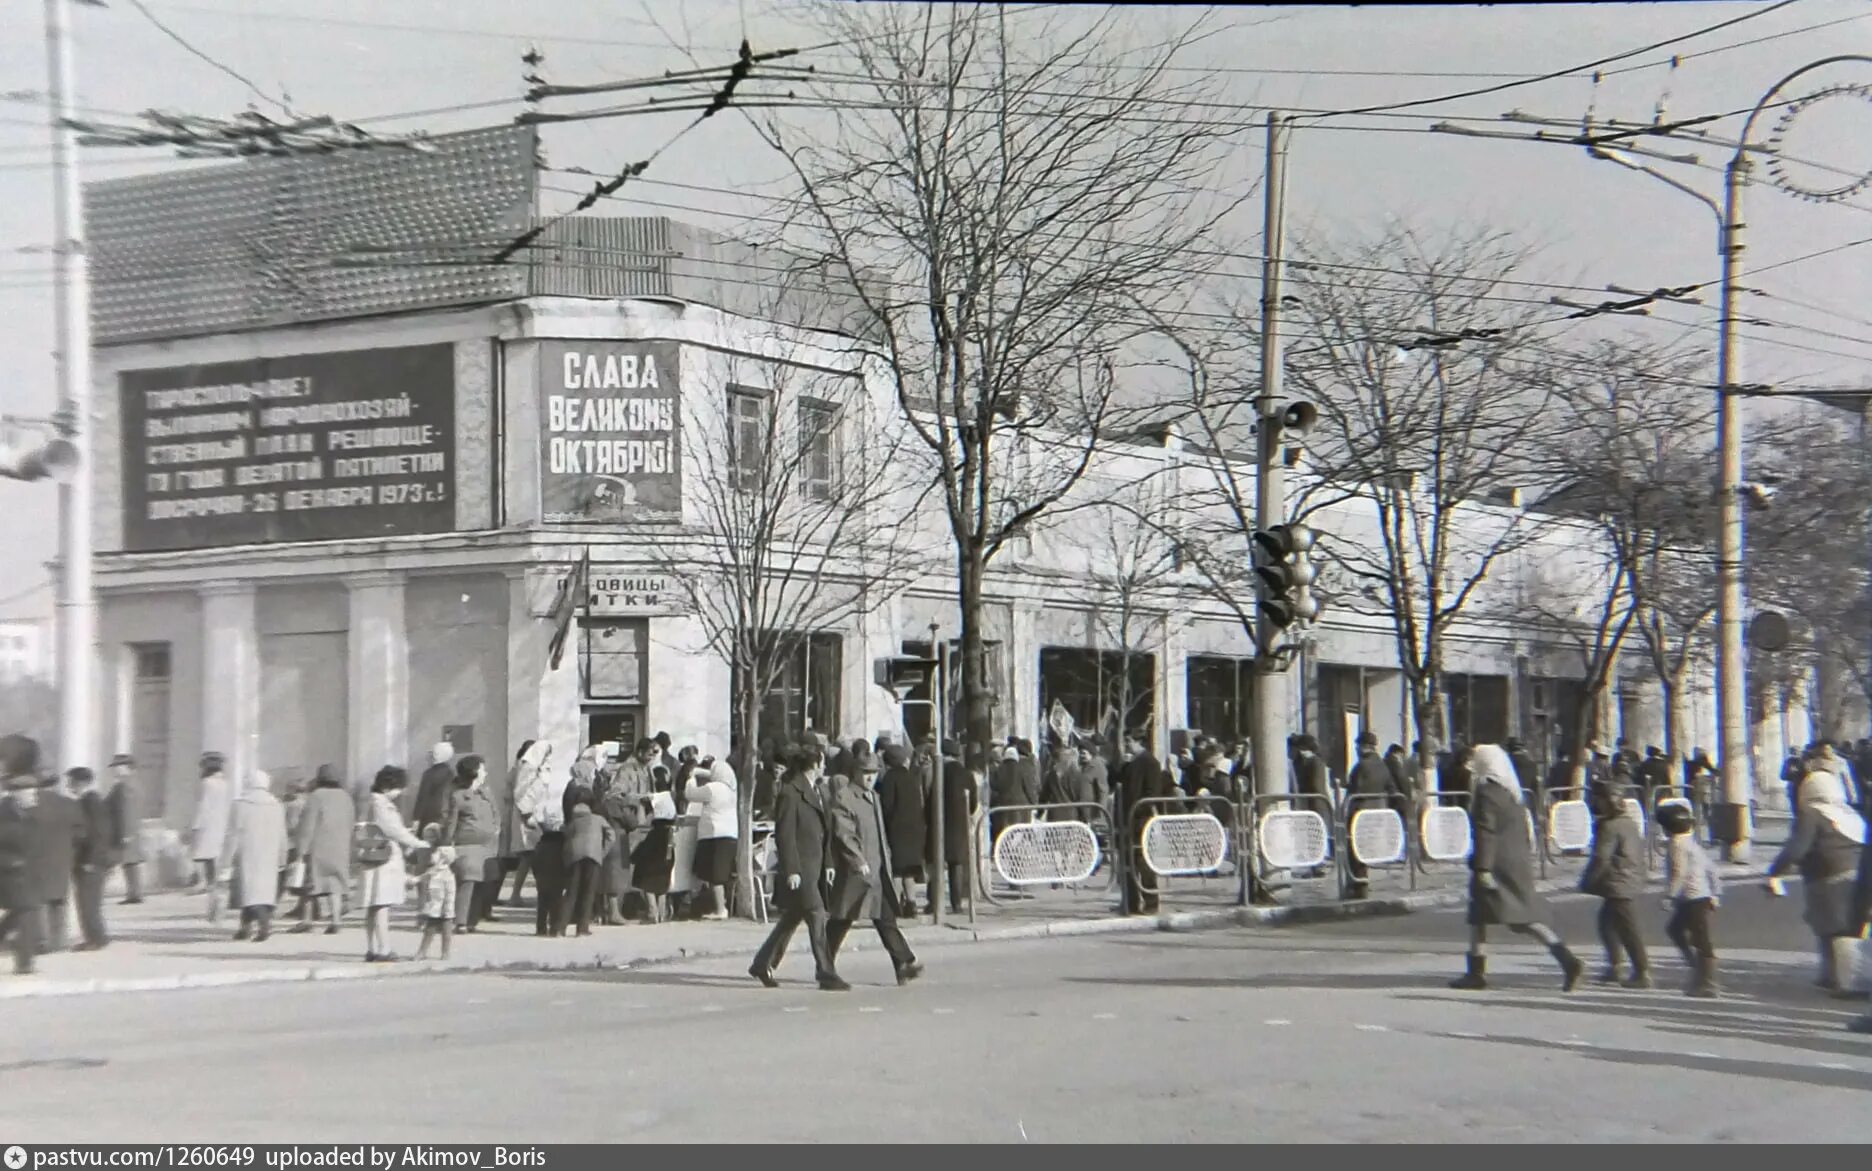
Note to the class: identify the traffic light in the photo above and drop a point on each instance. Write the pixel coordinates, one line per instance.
(27, 453)
(902, 674)
(1286, 573)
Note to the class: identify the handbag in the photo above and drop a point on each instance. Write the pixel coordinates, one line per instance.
(371, 847)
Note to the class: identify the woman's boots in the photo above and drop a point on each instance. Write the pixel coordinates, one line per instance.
(1475, 978)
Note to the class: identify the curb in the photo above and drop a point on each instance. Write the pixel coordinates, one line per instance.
(26, 988)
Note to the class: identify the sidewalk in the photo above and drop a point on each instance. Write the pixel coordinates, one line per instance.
(165, 944)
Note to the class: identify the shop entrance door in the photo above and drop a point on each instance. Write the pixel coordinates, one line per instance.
(622, 724)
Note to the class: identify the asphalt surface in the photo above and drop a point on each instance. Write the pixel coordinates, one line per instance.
(1337, 1032)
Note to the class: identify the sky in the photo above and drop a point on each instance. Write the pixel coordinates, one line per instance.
(1592, 223)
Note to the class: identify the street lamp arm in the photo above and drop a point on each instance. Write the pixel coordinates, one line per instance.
(1606, 153)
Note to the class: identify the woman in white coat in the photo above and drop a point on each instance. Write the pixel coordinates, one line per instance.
(384, 884)
(208, 832)
(712, 796)
(253, 852)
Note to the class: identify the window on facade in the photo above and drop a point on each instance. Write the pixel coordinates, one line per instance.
(748, 434)
(805, 696)
(1105, 692)
(916, 715)
(614, 660)
(818, 439)
(152, 660)
(1478, 708)
(1218, 690)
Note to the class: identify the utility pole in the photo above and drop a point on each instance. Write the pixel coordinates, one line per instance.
(71, 310)
(1269, 697)
(1732, 822)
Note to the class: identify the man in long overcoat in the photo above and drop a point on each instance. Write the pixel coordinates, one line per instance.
(125, 802)
(1371, 777)
(95, 856)
(63, 826)
(861, 860)
(25, 857)
(801, 834)
(432, 792)
(901, 798)
(1140, 777)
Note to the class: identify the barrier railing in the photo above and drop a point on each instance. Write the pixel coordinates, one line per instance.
(1654, 799)
(1289, 832)
(1173, 837)
(1064, 846)
(1443, 827)
(1568, 824)
(1376, 833)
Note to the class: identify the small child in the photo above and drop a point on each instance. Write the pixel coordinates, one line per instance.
(1695, 891)
(435, 892)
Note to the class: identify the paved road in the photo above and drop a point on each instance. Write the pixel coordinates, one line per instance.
(1339, 1032)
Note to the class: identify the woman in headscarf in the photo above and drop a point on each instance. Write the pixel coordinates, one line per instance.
(323, 838)
(1501, 864)
(253, 852)
(1828, 835)
(472, 827)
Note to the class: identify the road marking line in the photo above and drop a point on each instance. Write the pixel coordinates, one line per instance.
(1277, 1022)
(1468, 1036)
(1839, 1065)
(711, 1008)
(1104, 1016)
(1371, 1028)
(794, 1008)
(870, 1008)
(482, 1000)
(943, 1011)
(557, 1003)
(1702, 1056)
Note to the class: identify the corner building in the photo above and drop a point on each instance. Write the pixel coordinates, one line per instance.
(343, 465)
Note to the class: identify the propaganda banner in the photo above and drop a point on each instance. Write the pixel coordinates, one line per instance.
(610, 431)
(311, 447)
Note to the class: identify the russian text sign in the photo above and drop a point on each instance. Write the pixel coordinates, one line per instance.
(610, 431)
(310, 447)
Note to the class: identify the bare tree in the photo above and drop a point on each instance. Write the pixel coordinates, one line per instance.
(1011, 189)
(1632, 459)
(1129, 591)
(1594, 617)
(1432, 397)
(796, 485)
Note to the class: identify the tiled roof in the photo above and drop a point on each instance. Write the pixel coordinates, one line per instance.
(278, 240)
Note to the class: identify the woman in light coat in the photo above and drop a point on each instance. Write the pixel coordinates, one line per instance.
(253, 852)
(213, 804)
(1824, 847)
(384, 885)
(713, 796)
(324, 843)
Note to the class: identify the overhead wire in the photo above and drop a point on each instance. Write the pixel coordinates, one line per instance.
(179, 39)
(1502, 87)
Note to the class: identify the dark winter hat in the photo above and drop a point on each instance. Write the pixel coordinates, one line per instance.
(863, 758)
(1370, 738)
(896, 756)
(1676, 819)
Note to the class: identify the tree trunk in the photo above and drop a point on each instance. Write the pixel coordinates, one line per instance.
(977, 714)
(1676, 714)
(747, 778)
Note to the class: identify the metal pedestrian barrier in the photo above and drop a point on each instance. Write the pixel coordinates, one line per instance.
(1056, 845)
(1287, 838)
(1377, 835)
(1172, 837)
(1444, 828)
(1569, 826)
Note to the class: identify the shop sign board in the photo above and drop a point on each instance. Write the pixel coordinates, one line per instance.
(610, 431)
(310, 447)
(617, 592)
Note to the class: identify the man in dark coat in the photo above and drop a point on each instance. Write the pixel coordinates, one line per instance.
(802, 832)
(1141, 777)
(95, 856)
(125, 803)
(901, 797)
(961, 797)
(1654, 773)
(1061, 786)
(1027, 770)
(1309, 771)
(25, 856)
(63, 825)
(1371, 778)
